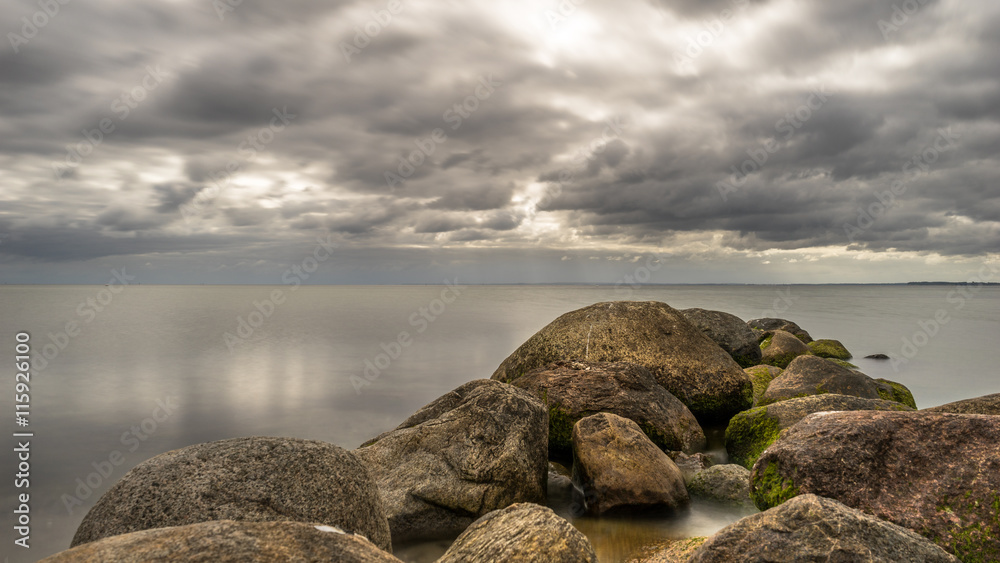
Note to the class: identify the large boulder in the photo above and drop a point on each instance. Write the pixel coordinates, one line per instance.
(760, 377)
(246, 479)
(988, 404)
(812, 375)
(729, 484)
(229, 541)
(750, 432)
(812, 528)
(652, 334)
(573, 390)
(729, 332)
(522, 532)
(615, 466)
(893, 391)
(937, 474)
(829, 349)
(780, 348)
(768, 326)
(481, 447)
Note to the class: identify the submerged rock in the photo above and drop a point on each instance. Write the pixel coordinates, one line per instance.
(616, 466)
(988, 404)
(727, 483)
(228, 541)
(812, 375)
(729, 332)
(479, 448)
(812, 528)
(761, 376)
(768, 326)
(750, 432)
(780, 348)
(652, 334)
(573, 390)
(877, 357)
(833, 349)
(522, 532)
(245, 479)
(690, 464)
(937, 474)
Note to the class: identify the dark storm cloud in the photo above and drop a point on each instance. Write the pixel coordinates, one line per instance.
(809, 112)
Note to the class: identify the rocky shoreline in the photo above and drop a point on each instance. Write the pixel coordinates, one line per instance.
(842, 466)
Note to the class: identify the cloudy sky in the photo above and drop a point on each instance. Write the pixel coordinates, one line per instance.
(201, 141)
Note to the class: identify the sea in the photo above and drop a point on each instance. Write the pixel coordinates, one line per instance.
(123, 373)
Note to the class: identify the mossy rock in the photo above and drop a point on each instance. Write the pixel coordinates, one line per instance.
(892, 391)
(812, 375)
(780, 348)
(751, 432)
(843, 363)
(760, 377)
(829, 349)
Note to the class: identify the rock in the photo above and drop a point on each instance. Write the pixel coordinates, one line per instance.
(751, 432)
(829, 349)
(245, 479)
(780, 348)
(766, 327)
(729, 483)
(812, 375)
(937, 474)
(479, 448)
(843, 363)
(761, 376)
(521, 532)
(690, 464)
(877, 357)
(679, 551)
(989, 404)
(559, 485)
(616, 467)
(892, 391)
(652, 334)
(812, 528)
(729, 332)
(573, 390)
(229, 541)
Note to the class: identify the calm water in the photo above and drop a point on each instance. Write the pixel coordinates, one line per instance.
(292, 375)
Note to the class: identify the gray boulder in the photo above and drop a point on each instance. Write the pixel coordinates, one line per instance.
(988, 404)
(652, 334)
(811, 528)
(729, 484)
(937, 474)
(730, 332)
(522, 532)
(479, 448)
(768, 326)
(646, 479)
(246, 479)
(812, 375)
(229, 541)
(780, 348)
(572, 390)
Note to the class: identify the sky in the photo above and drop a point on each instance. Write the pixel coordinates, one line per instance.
(408, 141)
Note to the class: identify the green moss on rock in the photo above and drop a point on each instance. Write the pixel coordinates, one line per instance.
(843, 363)
(770, 488)
(750, 433)
(892, 391)
(972, 542)
(832, 349)
(760, 378)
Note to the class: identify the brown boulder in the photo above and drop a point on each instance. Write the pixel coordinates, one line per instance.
(780, 348)
(812, 375)
(988, 404)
